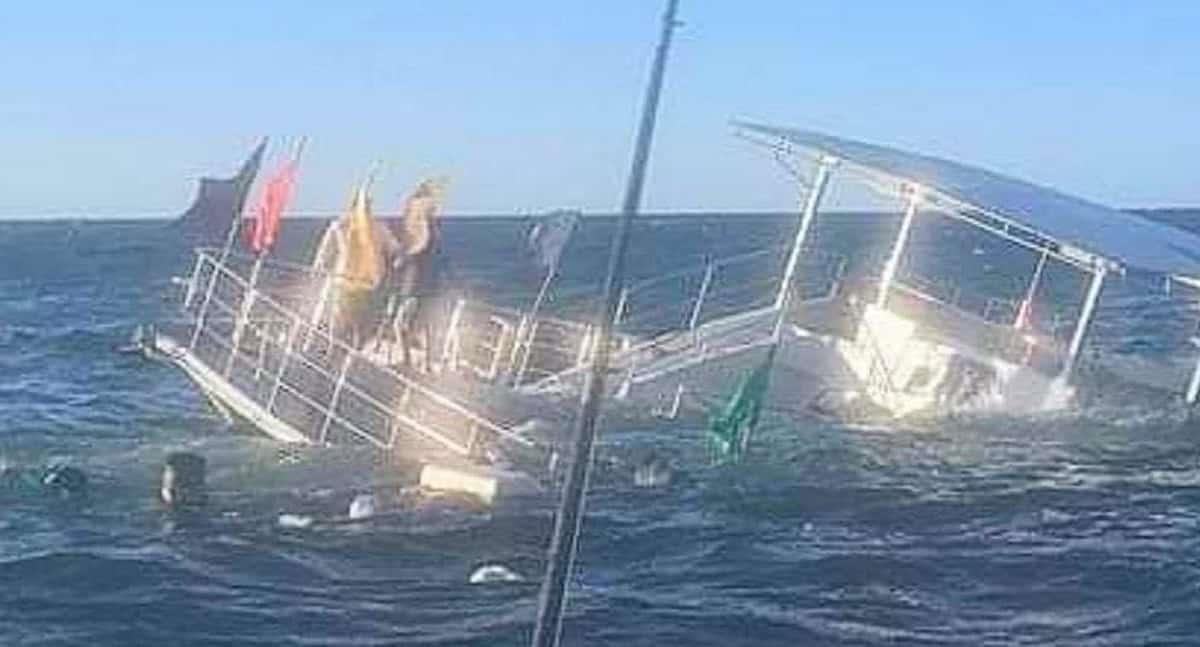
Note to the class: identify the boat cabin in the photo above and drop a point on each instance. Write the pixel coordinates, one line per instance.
(912, 342)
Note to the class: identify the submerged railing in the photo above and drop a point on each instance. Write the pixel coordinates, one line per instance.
(300, 373)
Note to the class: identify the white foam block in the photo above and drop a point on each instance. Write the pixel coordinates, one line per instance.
(485, 484)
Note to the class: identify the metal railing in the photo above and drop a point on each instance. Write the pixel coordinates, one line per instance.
(274, 341)
(672, 310)
(694, 296)
(308, 378)
(508, 345)
(990, 327)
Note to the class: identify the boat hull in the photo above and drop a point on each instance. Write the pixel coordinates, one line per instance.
(224, 395)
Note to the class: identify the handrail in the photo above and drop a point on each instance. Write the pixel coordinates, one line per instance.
(691, 270)
(651, 343)
(329, 412)
(1005, 334)
(408, 382)
(713, 288)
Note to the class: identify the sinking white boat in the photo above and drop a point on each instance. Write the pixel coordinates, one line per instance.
(256, 344)
(877, 332)
(909, 344)
(855, 331)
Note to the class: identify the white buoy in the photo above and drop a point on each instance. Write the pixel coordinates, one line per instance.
(494, 573)
(362, 507)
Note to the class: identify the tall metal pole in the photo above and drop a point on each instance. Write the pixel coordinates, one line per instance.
(1022, 316)
(1193, 389)
(806, 218)
(552, 599)
(705, 284)
(893, 262)
(811, 203)
(783, 301)
(1085, 318)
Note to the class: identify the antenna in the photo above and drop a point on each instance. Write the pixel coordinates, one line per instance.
(563, 545)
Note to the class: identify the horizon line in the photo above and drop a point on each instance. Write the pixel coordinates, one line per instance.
(157, 216)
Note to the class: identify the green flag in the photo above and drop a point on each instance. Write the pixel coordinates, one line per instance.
(728, 429)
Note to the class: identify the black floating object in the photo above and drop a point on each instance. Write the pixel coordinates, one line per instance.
(183, 480)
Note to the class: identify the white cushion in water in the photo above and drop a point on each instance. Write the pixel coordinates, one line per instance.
(483, 483)
(287, 520)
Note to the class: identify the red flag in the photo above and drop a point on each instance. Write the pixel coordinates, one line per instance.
(270, 209)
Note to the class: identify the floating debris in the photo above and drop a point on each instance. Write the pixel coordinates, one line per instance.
(493, 574)
(297, 521)
(362, 507)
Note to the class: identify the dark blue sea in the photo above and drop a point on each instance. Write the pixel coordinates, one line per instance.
(1073, 529)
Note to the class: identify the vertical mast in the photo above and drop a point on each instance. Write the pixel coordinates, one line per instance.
(811, 201)
(552, 599)
(893, 262)
(1085, 318)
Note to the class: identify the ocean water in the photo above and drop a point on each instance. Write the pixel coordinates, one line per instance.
(1080, 528)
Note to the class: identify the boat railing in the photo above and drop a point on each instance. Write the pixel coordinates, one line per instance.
(302, 374)
(507, 345)
(694, 296)
(526, 349)
(687, 310)
(680, 312)
(946, 292)
(990, 326)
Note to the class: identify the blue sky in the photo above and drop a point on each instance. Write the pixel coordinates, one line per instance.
(115, 107)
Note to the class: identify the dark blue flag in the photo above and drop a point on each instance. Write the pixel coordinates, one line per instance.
(548, 238)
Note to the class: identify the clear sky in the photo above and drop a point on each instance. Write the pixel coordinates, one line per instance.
(114, 107)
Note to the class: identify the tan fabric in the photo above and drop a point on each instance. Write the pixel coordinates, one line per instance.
(333, 243)
(356, 250)
(365, 246)
(420, 210)
(353, 306)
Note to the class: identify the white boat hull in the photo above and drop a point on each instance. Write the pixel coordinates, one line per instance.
(223, 394)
